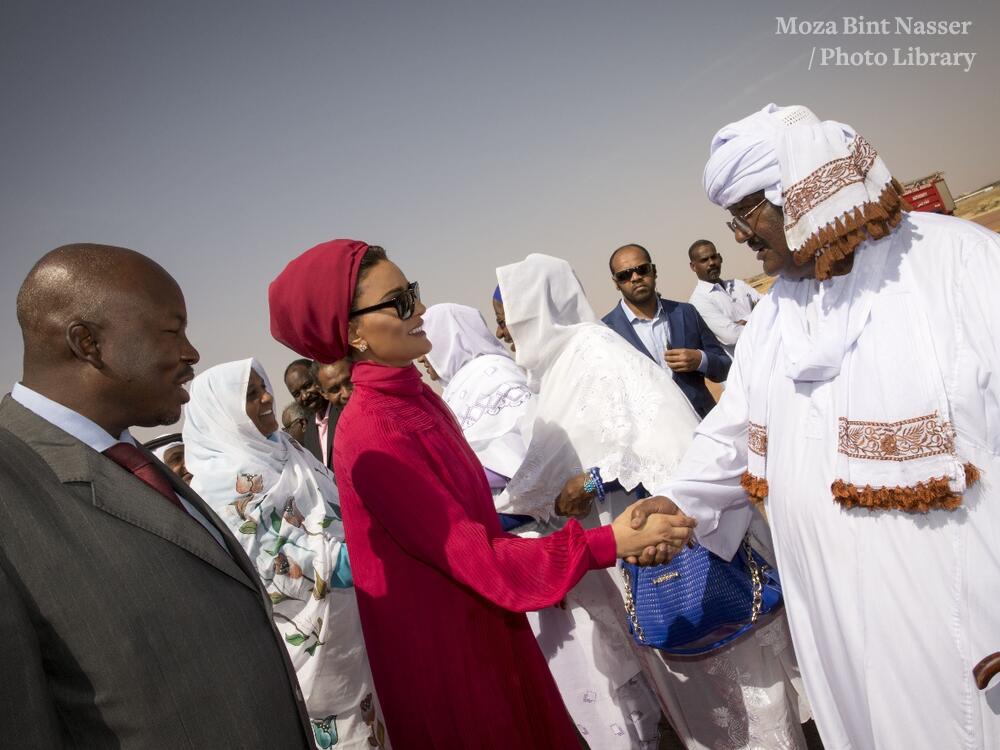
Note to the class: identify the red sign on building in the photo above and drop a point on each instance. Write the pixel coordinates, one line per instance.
(929, 194)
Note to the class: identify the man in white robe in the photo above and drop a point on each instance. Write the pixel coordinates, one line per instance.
(863, 412)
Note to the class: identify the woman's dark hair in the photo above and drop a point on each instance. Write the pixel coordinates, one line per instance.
(373, 255)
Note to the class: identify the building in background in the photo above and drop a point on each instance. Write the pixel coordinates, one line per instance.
(929, 194)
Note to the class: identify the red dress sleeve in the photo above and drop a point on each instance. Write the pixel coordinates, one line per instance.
(399, 488)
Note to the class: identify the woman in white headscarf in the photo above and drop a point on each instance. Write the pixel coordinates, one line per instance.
(602, 404)
(282, 505)
(583, 642)
(484, 388)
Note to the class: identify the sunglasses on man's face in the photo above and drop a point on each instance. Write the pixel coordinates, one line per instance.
(645, 269)
(405, 303)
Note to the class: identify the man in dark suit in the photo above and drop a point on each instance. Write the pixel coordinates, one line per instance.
(301, 383)
(130, 616)
(335, 386)
(670, 333)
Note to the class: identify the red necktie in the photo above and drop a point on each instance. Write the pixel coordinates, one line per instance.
(135, 461)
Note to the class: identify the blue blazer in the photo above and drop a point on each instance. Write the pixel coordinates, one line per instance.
(687, 331)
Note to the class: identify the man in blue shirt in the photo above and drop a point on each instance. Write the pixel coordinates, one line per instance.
(671, 333)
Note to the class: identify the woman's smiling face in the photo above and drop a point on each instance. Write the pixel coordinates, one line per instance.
(260, 405)
(389, 340)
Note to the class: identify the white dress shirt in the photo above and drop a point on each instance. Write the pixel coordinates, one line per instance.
(90, 433)
(654, 334)
(721, 305)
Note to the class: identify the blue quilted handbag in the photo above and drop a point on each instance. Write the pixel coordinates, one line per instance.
(699, 602)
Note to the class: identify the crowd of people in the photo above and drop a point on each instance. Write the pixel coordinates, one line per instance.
(389, 567)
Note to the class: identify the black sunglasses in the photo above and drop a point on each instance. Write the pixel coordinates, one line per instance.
(626, 273)
(405, 303)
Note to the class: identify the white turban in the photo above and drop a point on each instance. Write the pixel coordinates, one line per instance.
(744, 155)
(835, 190)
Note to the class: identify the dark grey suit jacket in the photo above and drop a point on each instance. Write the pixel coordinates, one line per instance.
(123, 623)
(311, 440)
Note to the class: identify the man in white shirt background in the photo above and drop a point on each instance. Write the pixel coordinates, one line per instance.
(723, 304)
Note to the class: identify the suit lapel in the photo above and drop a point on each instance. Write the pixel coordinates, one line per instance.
(675, 318)
(236, 551)
(120, 494)
(331, 429)
(624, 327)
(128, 498)
(311, 437)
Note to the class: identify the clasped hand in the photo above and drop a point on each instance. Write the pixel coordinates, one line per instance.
(648, 532)
(652, 531)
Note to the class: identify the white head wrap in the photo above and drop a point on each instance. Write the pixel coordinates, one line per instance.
(601, 403)
(543, 301)
(488, 393)
(834, 188)
(162, 450)
(744, 155)
(233, 459)
(458, 334)
(282, 506)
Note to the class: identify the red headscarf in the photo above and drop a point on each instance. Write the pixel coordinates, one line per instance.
(311, 299)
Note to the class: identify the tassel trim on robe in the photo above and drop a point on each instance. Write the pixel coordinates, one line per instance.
(873, 220)
(933, 494)
(755, 487)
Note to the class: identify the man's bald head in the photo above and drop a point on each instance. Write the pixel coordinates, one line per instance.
(104, 334)
(84, 282)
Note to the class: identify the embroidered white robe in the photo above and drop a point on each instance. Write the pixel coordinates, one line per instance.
(889, 611)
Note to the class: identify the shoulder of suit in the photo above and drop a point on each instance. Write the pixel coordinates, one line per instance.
(686, 307)
(20, 464)
(611, 314)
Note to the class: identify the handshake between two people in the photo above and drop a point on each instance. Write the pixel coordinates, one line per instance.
(648, 532)
(652, 531)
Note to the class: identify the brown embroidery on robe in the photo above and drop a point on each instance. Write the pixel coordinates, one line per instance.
(757, 438)
(906, 440)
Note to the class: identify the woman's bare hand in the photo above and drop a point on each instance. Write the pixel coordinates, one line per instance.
(652, 531)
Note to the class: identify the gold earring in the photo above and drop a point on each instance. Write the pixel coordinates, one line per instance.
(362, 347)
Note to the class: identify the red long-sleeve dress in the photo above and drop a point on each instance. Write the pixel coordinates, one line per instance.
(441, 588)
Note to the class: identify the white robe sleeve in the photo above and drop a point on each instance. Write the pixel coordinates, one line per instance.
(975, 303)
(706, 485)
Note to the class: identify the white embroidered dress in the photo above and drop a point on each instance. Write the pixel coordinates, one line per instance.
(604, 404)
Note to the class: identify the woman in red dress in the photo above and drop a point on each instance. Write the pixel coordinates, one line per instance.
(441, 588)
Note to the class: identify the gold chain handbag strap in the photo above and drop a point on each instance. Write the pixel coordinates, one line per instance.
(630, 607)
(756, 577)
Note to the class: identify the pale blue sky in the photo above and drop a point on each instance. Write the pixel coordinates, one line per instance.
(223, 138)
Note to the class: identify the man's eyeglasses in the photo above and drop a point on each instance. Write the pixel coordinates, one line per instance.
(405, 303)
(740, 223)
(626, 273)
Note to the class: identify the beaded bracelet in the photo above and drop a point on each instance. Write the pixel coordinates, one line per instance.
(594, 484)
